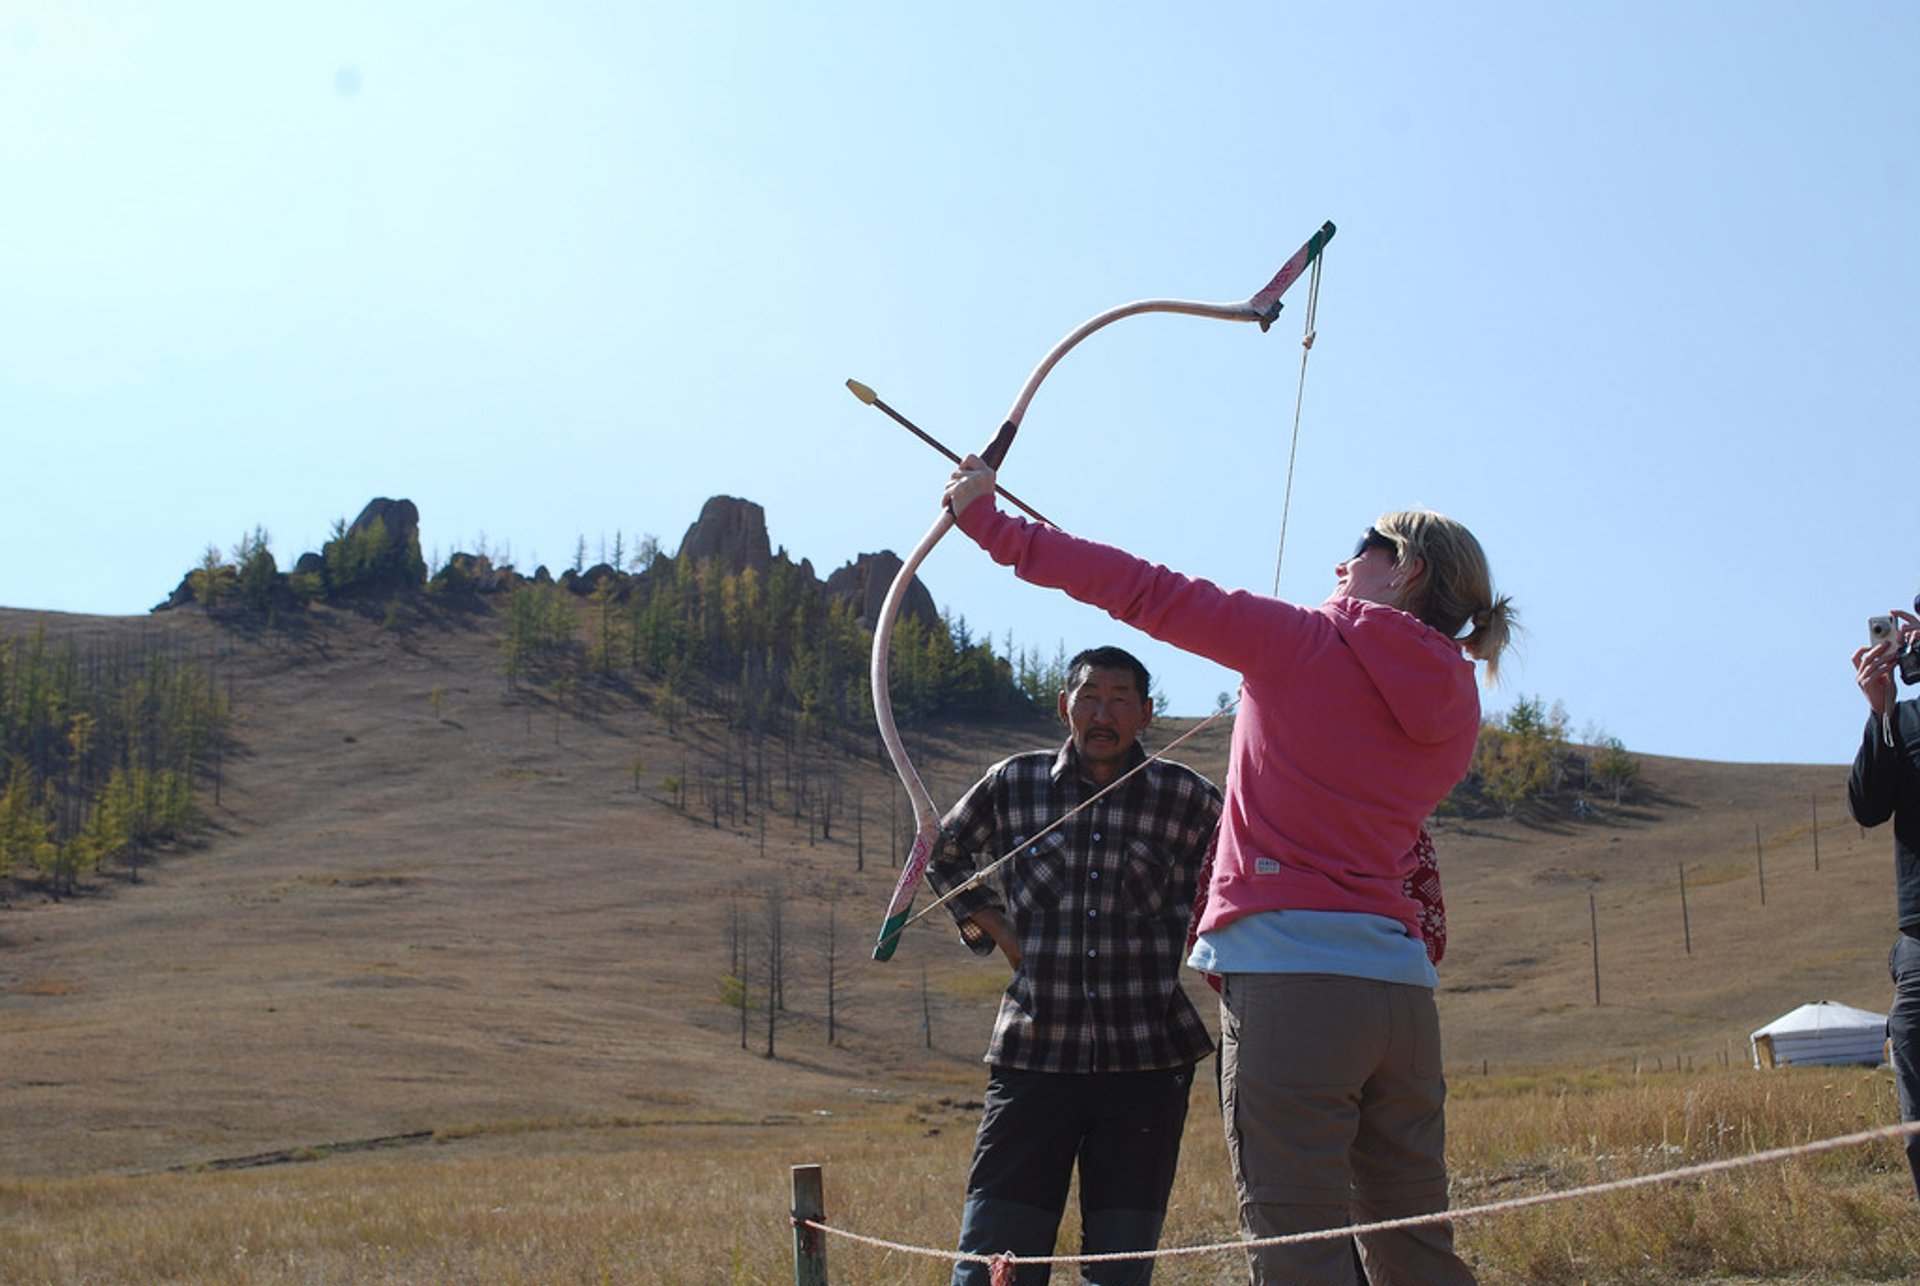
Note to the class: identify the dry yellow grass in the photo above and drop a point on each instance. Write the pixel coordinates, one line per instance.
(1832, 1216)
(576, 1202)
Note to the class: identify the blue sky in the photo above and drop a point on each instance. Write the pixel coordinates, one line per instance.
(1628, 288)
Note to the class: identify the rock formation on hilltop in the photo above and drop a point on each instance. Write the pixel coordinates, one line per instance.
(380, 552)
(400, 519)
(731, 531)
(863, 583)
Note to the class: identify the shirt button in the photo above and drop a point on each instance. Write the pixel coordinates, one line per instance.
(1092, 954)
(1093, 875)
(1094, 914)
(1097, 837)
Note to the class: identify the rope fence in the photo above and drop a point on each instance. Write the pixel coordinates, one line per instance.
(808, 1215)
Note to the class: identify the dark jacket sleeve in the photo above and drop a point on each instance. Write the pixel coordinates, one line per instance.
(1879, 770)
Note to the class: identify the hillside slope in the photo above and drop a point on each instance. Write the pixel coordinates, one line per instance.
(428, 902)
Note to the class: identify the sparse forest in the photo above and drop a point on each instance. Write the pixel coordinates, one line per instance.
(100, 752)
(765, 648)
(1526, 757)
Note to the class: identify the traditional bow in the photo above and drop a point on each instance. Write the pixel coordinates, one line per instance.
(1262, 307)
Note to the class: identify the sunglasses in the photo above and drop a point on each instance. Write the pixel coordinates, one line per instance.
(1374, 540)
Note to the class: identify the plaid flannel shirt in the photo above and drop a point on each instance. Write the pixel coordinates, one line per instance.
(1100, 907)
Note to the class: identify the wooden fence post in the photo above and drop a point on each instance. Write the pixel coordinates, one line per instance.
(809, 1244)
(1816, 832)
(1686, 921)
(1593, 916)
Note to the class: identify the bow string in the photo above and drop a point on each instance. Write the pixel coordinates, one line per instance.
(1262, 307)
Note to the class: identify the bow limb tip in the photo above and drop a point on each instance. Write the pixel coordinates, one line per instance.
(862, 392)
(889, 936)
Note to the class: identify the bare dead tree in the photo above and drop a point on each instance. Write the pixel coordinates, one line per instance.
(760, 771)
(833, 959)
(746, 782)
(733, 934)
(776, 962)
(926, 1006)
(827, 796)
(744, 993)
(859, 835)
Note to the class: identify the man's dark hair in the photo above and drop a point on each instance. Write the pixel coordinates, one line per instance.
(1108, 658)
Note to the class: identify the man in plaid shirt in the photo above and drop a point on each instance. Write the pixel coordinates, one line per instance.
(1096, 1042)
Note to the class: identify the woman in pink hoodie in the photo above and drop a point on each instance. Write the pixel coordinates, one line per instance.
(1356, 718)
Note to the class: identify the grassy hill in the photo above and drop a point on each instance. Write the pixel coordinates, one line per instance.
(430, 903)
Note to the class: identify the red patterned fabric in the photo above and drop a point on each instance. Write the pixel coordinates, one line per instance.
(1423, 886)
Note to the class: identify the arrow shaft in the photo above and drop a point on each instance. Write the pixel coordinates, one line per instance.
(944, 450)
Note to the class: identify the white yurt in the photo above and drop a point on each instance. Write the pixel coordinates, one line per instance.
(1821, 1032)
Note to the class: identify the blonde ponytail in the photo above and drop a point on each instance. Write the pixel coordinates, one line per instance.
(1455, 587)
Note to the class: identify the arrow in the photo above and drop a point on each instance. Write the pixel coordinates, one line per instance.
(871, 398)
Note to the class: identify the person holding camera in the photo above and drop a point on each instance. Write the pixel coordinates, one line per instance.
(1886, 783)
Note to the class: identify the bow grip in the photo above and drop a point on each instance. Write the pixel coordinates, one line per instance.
(997, 449)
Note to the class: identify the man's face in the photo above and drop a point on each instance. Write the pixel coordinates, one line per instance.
(1106, 711)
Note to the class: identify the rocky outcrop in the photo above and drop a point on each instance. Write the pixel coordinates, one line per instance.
(731, 532)
(862, 585)
(588, 582)
(399, 518)
(467, 574)
(182, 595)
(379, 553)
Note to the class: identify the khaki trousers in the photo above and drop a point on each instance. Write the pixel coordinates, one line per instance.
(1335, 1113)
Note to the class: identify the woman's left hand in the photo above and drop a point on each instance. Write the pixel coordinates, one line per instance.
(972, 480)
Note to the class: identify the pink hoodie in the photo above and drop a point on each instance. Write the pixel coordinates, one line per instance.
(1355, 720)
